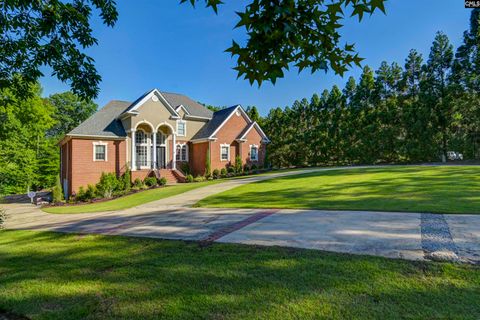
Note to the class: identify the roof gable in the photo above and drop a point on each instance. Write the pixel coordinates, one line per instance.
(133, 109)
(257, 127)
(218, 121)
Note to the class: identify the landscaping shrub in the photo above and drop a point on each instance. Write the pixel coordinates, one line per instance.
(247, 168)
(162, 181)
(230, 169)
(208, 166)
(80, 194)
(238, 164)
(185, 168)
(127, 184)
(223, 173)
(216, 174)
(189, 178)
(3, 217)
(91, 192)
(150, 181)
(138, 184)
(107, 185)
(199, 179)
(57, 191)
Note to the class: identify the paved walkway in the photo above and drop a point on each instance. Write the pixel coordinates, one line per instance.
(412, 236)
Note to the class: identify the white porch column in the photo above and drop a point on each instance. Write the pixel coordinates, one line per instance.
(154, 150)
(174, 162)
(133, 168)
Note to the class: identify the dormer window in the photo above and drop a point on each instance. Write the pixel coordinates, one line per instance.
(181, 128)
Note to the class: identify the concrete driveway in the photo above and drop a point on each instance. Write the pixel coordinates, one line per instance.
(412, 236)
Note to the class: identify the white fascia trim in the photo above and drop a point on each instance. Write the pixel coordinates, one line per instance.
(238, 108)
(150, 95)
(184, 109)
(228, 154)
(197, 117)
(256, 125)
(94, 136)
(100, 143)
(203, 140)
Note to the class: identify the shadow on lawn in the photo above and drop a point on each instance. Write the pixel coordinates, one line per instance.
(421, 189)
(48, 275)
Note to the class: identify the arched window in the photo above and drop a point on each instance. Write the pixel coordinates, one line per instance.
(141, 144)
(182, 152)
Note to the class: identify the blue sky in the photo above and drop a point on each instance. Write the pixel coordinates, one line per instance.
(176, 48)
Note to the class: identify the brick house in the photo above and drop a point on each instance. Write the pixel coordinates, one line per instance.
(157, 135)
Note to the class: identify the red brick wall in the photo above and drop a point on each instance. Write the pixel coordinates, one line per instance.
(227, 135)
(253, 137)
(198, 156)
(85, 171)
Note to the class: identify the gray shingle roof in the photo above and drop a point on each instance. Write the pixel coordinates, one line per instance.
(193, 108)
(175, 100)
(218, 118)
(104, 122)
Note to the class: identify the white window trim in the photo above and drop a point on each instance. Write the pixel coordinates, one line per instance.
(147, 144)
(228, 153)
(181, 145)
(100, 143)
(254, 146)
(184, 128)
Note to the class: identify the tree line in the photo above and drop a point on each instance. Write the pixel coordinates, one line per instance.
(415, 113)
(30, 129)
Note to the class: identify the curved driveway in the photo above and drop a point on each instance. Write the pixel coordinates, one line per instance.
(397, 235)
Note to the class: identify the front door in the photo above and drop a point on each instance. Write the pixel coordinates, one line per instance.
(161, 157)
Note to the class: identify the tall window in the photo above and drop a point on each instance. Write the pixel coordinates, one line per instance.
(99, 151)
(161, 138)
(141, 142)
(181, 128)
(254, 153)
(182, 152)
(225, 152)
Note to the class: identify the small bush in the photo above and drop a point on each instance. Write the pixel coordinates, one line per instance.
(80, 194)
(3, 218)
(223, 172)
(231, 169)
(150, 181)
(199, 179)
(254, 167)
(216, 174)
(189, 178)
(57, 191)
(91, 192)
(185, 168)
(247, 168)
(107, 185)
(162, 181)
(238, 164)
(127, 184)
(138, 184)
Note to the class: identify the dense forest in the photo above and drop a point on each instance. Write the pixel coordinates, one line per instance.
(30, 129)
(395, 114)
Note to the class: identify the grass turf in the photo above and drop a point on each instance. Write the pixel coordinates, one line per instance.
(131, 200)
(439, 189)
(143, 197)
(58, 276)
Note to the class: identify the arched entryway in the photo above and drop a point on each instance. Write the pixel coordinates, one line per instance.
(162, 148)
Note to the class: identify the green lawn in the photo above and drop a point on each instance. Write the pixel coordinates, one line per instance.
(58, 276)
(442, 189)
(144, 196)
(131, 200)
